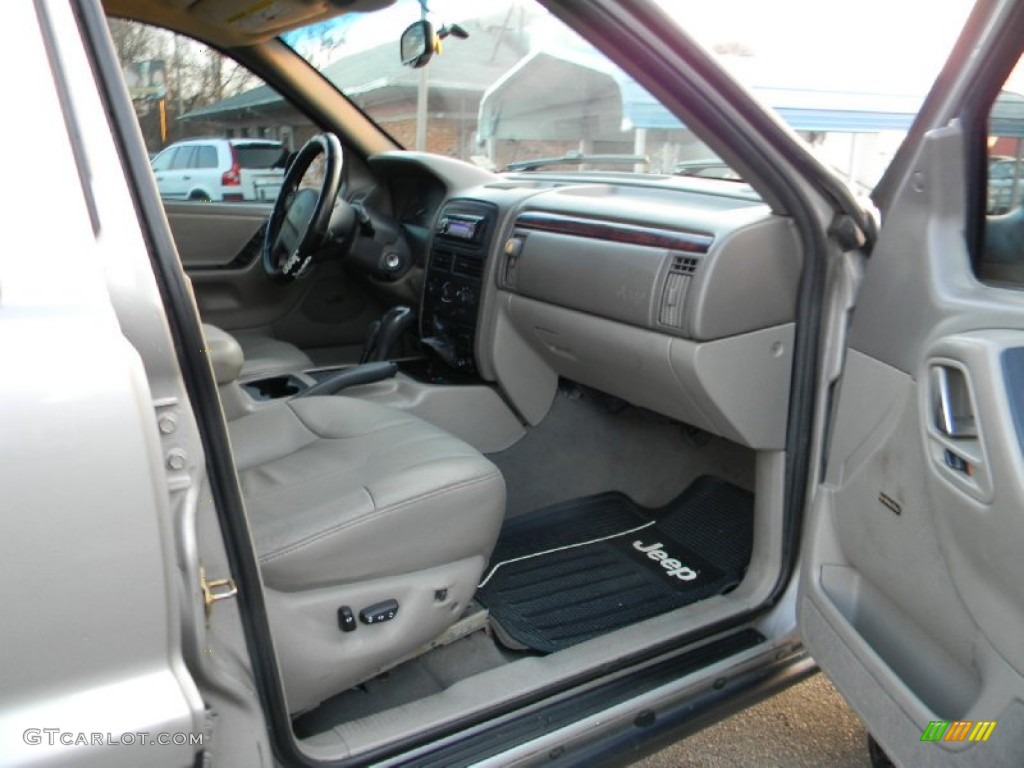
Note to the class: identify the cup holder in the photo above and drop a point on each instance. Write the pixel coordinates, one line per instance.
(274, 387)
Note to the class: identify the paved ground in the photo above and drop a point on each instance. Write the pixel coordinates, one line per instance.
(807, 726)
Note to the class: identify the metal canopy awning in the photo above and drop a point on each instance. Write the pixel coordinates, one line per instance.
(573, 94)
(553, 97)
(1008, 116)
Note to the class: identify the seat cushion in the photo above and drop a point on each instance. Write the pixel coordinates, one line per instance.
(340, 490)
(265, 355)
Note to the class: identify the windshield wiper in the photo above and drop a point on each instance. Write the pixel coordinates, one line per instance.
(575, 158)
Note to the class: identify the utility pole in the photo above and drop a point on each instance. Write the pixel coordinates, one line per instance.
(177, 85)
(421, 110)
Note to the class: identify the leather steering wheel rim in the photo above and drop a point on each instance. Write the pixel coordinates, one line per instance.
(284, 262)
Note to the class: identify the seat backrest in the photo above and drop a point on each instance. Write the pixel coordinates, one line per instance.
(225, 353)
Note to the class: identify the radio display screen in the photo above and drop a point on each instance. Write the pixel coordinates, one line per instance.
(461, 228)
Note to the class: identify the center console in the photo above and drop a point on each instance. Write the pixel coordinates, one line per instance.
(452, 288)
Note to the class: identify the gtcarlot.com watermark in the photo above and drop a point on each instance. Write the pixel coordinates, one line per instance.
(55, 736)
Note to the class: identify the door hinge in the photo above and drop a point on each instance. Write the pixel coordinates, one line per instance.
(214, 590)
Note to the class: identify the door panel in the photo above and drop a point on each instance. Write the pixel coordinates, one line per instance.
(213, 234)
(908, 597)
(912, 588)
(887, 576)
(219, 243)
(977, 483)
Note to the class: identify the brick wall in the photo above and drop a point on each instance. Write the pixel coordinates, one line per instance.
(448, 137)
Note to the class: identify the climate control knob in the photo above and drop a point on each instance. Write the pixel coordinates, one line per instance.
(447, 293)
(465, 296)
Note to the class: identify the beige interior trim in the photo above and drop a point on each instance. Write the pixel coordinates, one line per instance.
(234, 23)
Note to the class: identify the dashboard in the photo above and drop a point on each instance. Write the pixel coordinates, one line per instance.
(674, 294)
(416, 198)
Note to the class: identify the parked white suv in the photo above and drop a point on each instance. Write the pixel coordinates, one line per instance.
(220, 169)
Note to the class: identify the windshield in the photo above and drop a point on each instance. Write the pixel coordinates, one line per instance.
(524, 92)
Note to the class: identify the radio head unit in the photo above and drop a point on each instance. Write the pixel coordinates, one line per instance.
(461, 226)
(453, 283)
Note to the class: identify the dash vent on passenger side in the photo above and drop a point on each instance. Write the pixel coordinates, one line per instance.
(683, 265)
(677, 283)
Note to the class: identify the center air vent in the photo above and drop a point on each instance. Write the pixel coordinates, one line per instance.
(468, 267)
(677, 284)
(441, 261)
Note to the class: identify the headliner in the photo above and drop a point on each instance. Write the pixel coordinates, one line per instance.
(236, 23)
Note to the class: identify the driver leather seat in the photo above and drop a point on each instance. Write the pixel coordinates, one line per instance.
(354, 505)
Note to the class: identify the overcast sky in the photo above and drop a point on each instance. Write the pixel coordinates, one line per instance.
(894, 46)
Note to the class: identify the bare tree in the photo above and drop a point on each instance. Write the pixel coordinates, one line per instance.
(135, 42)
(208, 77)
(196, 76)
(205, 75)
(320, 43)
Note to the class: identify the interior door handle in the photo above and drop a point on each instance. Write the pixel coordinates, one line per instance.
(955, 395)
(951, 400)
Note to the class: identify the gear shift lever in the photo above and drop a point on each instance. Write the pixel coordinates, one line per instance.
(385, 333)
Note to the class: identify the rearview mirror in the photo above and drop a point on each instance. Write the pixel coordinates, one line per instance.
(417, 45)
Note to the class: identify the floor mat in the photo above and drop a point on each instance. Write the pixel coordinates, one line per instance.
(575, 570)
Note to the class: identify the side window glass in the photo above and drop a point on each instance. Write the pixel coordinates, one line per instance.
(206, 157)
(183, 90)
(163, 160)
(1002, 259)
(183, 158)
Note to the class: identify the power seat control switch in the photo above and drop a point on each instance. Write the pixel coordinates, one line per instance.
(346, 619)
(379, 612)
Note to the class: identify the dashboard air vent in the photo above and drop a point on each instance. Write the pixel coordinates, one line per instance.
(683, 265)
(468, 267)
(677, 283)
(441, 261)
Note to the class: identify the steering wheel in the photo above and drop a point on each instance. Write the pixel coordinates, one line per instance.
(299, 223)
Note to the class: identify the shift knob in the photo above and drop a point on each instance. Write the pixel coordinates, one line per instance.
(385, 336)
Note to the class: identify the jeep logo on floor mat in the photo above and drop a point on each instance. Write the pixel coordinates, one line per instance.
(671, 565)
